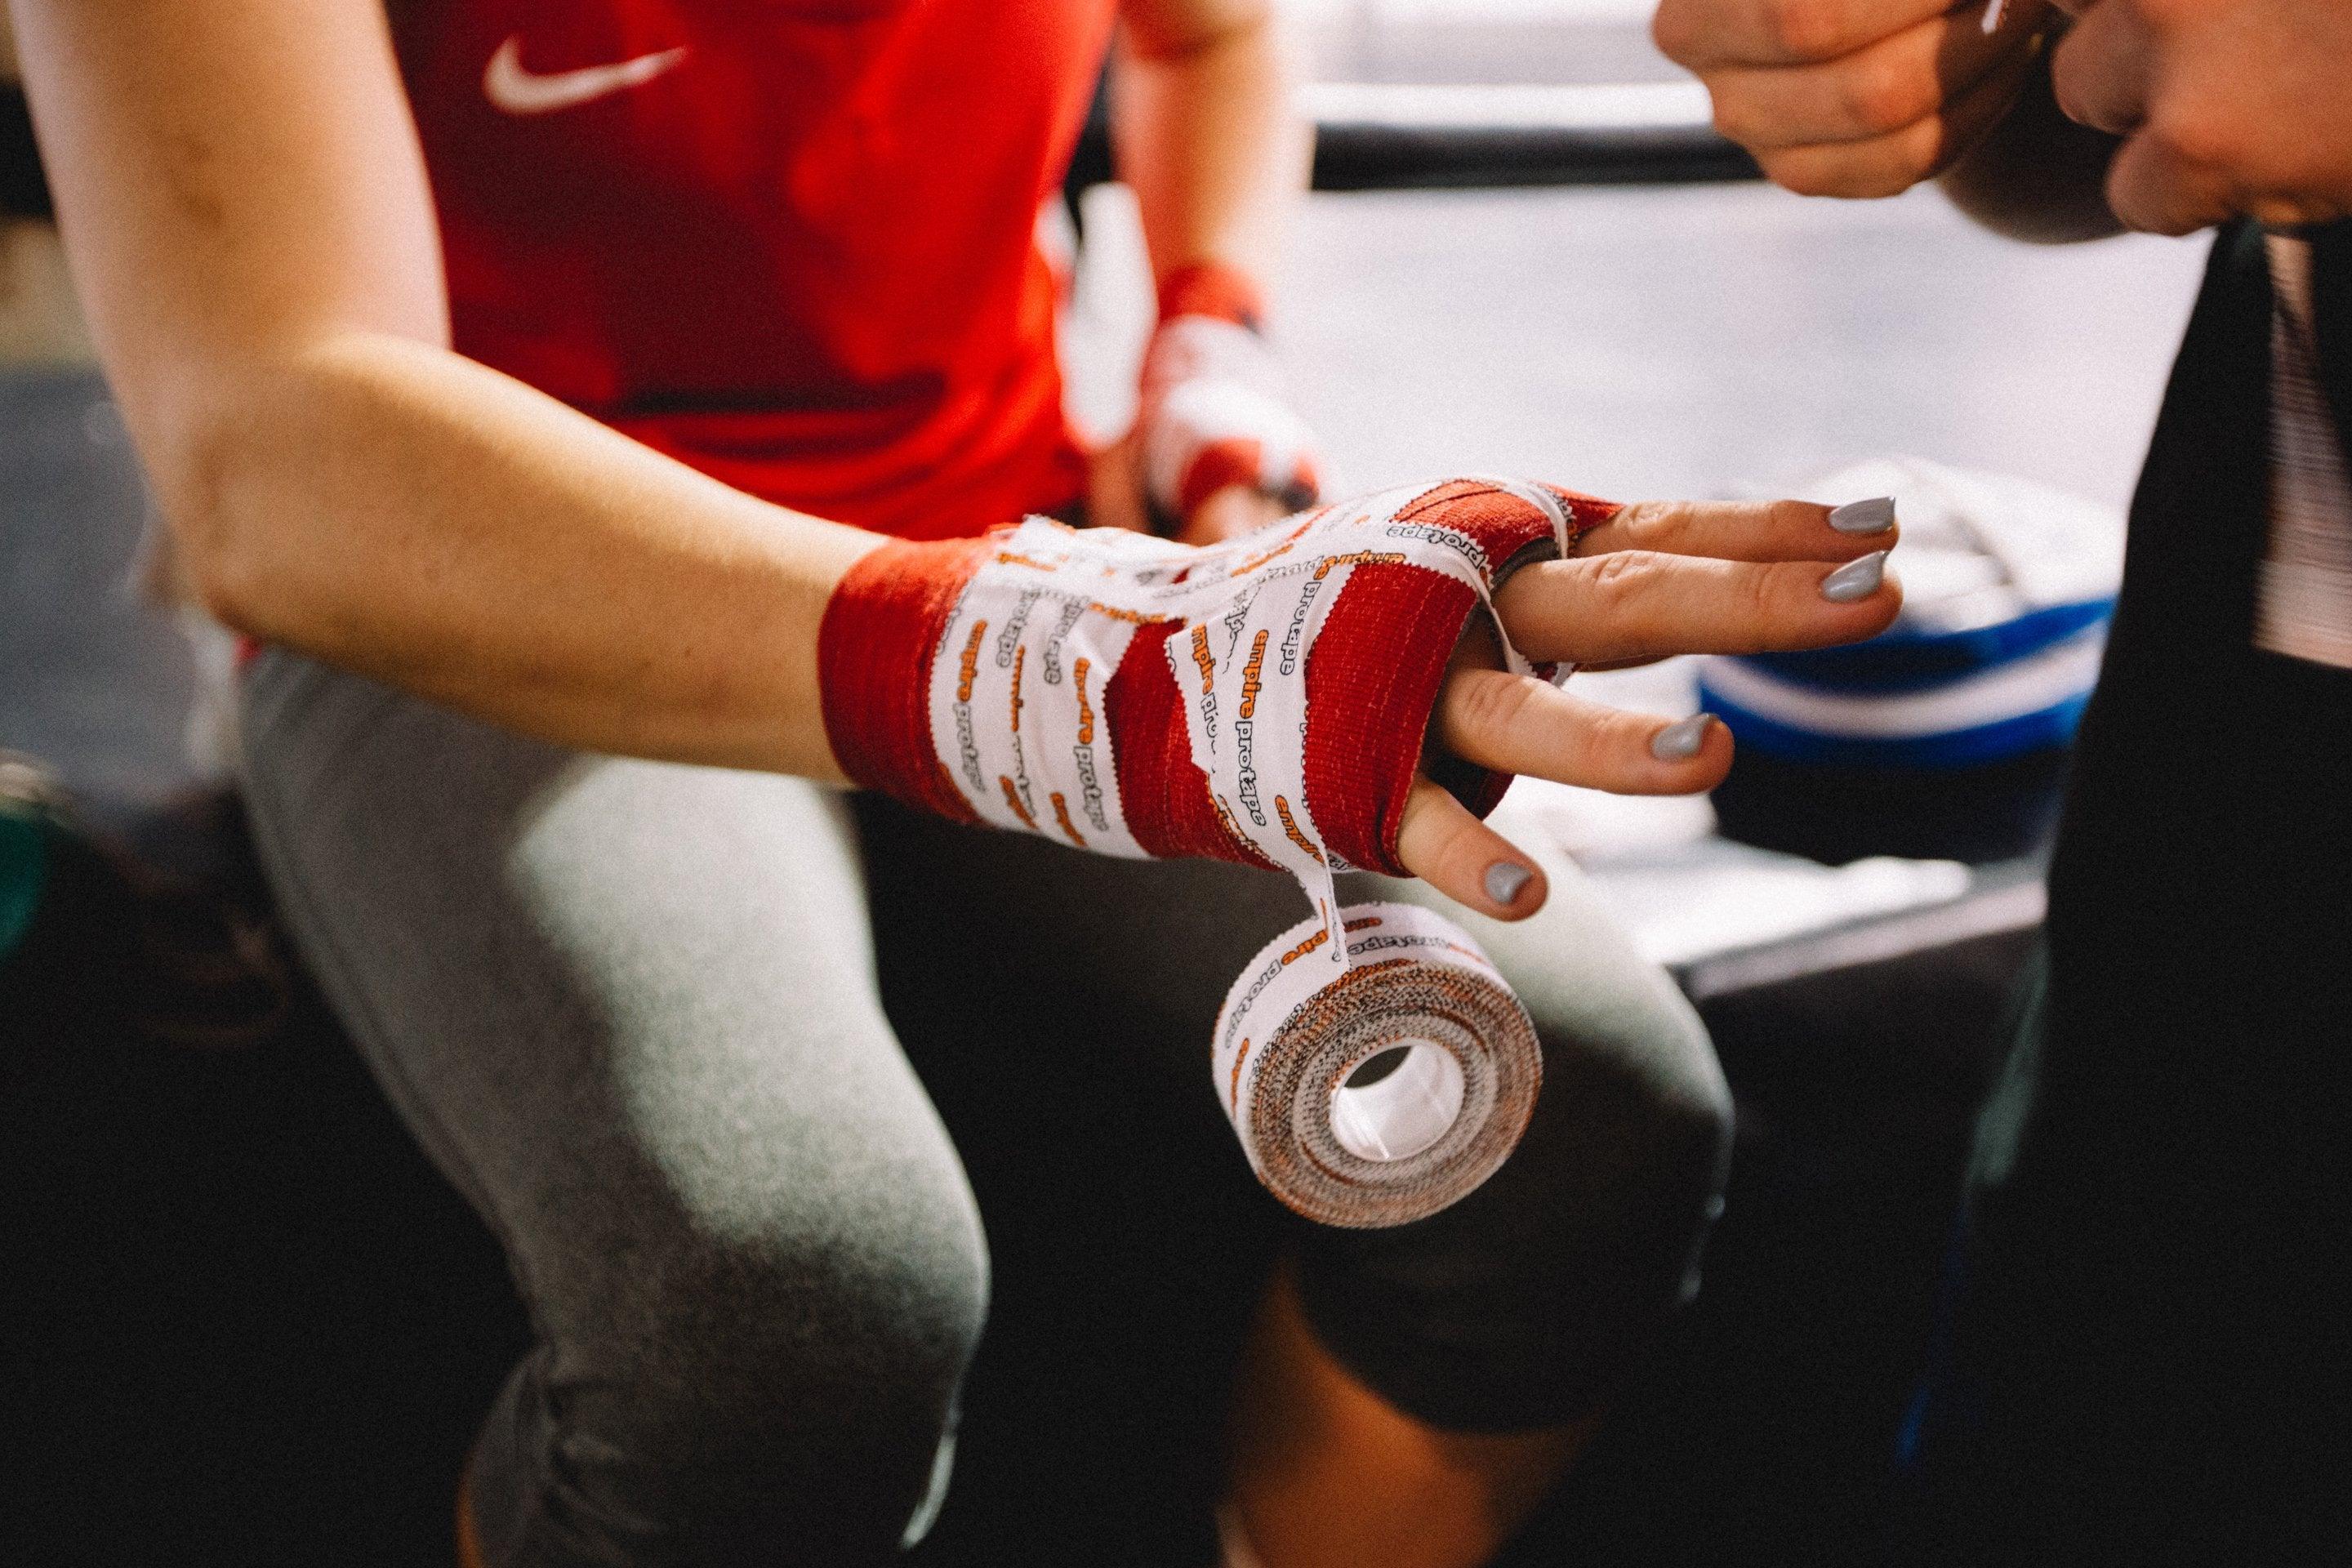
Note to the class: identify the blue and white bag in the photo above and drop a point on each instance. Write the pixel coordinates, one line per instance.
(2008, 589)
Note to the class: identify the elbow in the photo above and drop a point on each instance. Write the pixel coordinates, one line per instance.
(227, 586)
(204, 468)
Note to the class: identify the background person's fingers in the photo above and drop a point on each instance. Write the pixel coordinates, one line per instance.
(1747, 531)
(1876, 90)
(1700, 35)
(1443, 845)
(2104, 70)
(1522, 725)
(1637, 604)
(2153, 187)
(1890, 165)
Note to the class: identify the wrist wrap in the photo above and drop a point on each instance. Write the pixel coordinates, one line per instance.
(1263, 700)
(1213, 413)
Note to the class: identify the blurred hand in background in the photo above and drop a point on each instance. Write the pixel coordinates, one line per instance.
(2225, 107)
(1856, 97)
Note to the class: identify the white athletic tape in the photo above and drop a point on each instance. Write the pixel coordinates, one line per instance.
(1016, 703)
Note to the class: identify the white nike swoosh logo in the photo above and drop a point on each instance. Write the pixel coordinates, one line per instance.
(518, 91)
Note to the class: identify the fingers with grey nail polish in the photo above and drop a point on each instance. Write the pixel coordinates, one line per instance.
(1738, 531)
(1447, 847)
(1855, 579)
(1519, 725)
(1507, 879)
(1681, 740)
(1876, 515)
(1644, 604)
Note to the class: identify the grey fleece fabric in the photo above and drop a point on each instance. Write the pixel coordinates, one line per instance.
(632, 1011)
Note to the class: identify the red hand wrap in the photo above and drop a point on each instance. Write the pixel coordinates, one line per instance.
(1211, 288)
(873, 653)
(1372, 677)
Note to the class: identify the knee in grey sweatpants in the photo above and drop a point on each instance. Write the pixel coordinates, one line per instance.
(630, 1011)
(761, 1388)
(1528, 1303)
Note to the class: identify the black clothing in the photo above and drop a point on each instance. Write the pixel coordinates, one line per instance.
(2144, 1356)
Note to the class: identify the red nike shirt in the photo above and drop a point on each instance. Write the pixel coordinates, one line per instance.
(790, 242)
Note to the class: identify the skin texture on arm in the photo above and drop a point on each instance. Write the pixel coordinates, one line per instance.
(1205, 132)
(246, 204)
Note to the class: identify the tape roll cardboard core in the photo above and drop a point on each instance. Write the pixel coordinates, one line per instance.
(1296, 1030)
(1413, 1099)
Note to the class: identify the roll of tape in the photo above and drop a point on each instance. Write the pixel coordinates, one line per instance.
(1383, 1093)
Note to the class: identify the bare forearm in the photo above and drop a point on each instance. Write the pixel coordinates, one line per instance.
(399, 510)
(1206, 133)
(246, 202)
(2037, 175)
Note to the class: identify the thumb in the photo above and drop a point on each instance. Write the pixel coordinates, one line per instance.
(1445, 845)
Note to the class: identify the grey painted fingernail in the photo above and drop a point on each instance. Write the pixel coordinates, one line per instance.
(1873, 516)
(1855, 579)
(1680, 742)
(1506, 880)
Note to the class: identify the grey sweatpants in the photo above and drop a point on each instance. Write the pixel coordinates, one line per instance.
(632, 1010)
